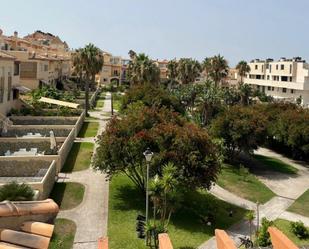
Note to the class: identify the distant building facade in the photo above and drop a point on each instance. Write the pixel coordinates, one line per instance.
(44, 58)
(285, 79)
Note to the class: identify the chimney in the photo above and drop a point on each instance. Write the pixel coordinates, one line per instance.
(15, 34)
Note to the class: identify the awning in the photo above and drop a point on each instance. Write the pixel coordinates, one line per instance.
(22, 89)
(59, 102)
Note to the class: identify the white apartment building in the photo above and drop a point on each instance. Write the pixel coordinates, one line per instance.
(285, 79)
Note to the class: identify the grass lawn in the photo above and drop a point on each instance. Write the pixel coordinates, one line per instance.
(301, 205)
(68, 195)
(63, 236)
(79, 157)
(284, 226)
(117, 101)
(89, 129)
(185, 229)
(246, 186)
(276, 164)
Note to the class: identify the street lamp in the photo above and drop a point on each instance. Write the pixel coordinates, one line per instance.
(148, 155)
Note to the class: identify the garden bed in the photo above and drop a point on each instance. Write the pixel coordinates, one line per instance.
(186, 229)
(63, 236)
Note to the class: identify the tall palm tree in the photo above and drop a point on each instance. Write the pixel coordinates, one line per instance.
(188, 70)
(91, 62)
(172, 71)
(243, 68)
(216, 68)
(78, 66)
(143, 70)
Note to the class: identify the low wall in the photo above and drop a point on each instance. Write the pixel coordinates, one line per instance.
(13, 214)
(14, 144)
(21, 167)
(65, 149)
(47, 183)
(79, 123)
(21, 130)
(42, 120)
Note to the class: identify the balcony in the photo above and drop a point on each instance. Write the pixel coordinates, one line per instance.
(282, 84)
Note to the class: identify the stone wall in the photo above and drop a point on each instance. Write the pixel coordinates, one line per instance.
(15, 145)
(41, 120)
(24, 168)
(47, 183)
(79, 123)
(20, 130)
(65, 148)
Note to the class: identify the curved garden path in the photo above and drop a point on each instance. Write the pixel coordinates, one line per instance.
(92, 214)
(287, 188)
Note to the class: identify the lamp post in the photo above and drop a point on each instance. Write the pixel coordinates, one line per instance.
(148, 155)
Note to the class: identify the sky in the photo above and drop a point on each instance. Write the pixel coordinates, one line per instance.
(236, 29)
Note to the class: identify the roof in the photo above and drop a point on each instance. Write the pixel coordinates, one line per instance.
(59, 102)
(4, 55)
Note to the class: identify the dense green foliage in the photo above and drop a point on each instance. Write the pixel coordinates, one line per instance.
(299, 229)
(16, 192)
(151, 96)
(241, 128)
(169, 136)
(263, 238)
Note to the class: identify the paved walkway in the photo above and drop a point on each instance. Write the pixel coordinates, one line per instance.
(287, 187)
(91, 215)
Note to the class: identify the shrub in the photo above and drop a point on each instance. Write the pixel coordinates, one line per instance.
(263, 238)
(151, 96)
(16, 192)
(299, 229)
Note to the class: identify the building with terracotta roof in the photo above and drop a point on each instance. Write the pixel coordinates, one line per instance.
(9, 82)
(44, 58)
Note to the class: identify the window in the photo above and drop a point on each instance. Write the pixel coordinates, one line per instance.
(290, 69)
(284, 78)
(272, 88)
(292, 90)
(16, 68)
(9, 84)
(268, 88)
(277, 67)
(282, 67)
(262, 68)
(284, 90)
(256, 67)
(45, 68)
(1, 84)
(269, 68)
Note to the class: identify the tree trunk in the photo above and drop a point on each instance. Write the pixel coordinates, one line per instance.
(87, 95)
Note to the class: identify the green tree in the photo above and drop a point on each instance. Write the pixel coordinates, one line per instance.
(250, 216)
(243, 68)
(150, 95)
(142, 70)
(263, 238)
(241, 128)
(188, 70)
(216, 68)
(16, 192)
(246, 92)
(91, 62)
(171, 138)
(172, 72)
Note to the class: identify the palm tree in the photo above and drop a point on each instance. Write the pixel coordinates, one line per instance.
(78, 66)
(245, 93)
(142, 70)
(250, 216)
(216, 67)
(90, 59)
(188, 70)
(172, 71)
(243, 68)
